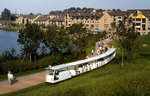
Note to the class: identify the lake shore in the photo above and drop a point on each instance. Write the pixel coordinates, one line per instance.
(9, 29)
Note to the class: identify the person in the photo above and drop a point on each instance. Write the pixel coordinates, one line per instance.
(49, 66)
(10, 78)
(92, 52)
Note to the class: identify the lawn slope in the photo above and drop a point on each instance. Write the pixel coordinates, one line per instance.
(110, 80)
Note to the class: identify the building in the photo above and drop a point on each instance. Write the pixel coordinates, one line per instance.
(141, 19)
(26, 19)
(92, 19)
(57, 21)
(42, 20)
(109, 17)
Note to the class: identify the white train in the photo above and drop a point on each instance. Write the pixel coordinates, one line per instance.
(65, 71)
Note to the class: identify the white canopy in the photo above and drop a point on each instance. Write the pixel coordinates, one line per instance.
(110, 51)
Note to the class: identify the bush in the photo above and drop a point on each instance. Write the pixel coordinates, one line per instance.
(25, 65)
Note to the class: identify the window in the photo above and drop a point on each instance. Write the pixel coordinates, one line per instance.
(92, 26)
(105, 19)
(138, 19)
(149, 28)
(96, 25)
(138, 28)
(119, 17)
(106, 25)
(87, 25)
(143, 20)
(138, 24)
(143, 27)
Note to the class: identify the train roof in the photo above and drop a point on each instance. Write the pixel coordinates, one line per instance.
(57, 67)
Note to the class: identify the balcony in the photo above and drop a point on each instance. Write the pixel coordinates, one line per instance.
(137, 26)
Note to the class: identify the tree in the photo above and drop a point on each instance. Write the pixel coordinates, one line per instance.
(31, 13)
(118, 9)
(113, 9)
(6, 14)
(99, 10)
(78, 33)
(56, 39)
(113, 25)
(30, 37)
(108, 10)
(13, 17)
(127, 35)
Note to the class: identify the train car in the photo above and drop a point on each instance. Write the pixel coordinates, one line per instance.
(65, 71)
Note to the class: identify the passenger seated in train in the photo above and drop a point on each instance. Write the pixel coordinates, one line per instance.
(56, 73)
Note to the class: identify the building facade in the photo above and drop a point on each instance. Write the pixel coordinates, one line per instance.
(26, 19)
(90, 18)
(142, 20)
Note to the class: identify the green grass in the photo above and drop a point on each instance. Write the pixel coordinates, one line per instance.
(91, 45)
(140, 42)
(4, 77)
(111, 80)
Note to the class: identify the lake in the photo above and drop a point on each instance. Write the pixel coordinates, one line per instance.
(8, 40)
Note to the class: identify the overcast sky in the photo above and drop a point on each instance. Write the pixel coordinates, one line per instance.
(44, 6)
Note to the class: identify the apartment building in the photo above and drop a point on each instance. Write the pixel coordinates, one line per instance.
(91, 21)
(141, 19)
(109, 17)
(68, 17)
(57, 21)
(42, 20)
(26, 19)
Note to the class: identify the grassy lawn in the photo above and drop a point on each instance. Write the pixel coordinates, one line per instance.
(4, 77)
(91, 45)
(111, 80)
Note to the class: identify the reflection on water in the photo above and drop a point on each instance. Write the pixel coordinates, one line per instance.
(8, 40)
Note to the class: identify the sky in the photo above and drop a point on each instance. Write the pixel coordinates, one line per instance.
(45, 6)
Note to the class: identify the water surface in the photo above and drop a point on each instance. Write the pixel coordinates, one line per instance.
(8, 40)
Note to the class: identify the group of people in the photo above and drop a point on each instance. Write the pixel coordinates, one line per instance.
(102, 48)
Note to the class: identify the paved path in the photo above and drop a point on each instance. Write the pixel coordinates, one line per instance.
(27, 81)
(22, 82)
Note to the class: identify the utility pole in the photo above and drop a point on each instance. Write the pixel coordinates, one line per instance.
(122, 60)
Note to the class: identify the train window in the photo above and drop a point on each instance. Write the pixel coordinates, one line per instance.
(49, 72)
(101, 59)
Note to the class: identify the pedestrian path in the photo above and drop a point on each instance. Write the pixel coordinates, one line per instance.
(31, 80)
(22, 82)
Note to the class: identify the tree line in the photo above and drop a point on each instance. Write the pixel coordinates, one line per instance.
(7, 15)
(98, 10)
(64, 45)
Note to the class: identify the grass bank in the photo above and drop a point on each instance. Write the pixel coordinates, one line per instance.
(111, 80)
